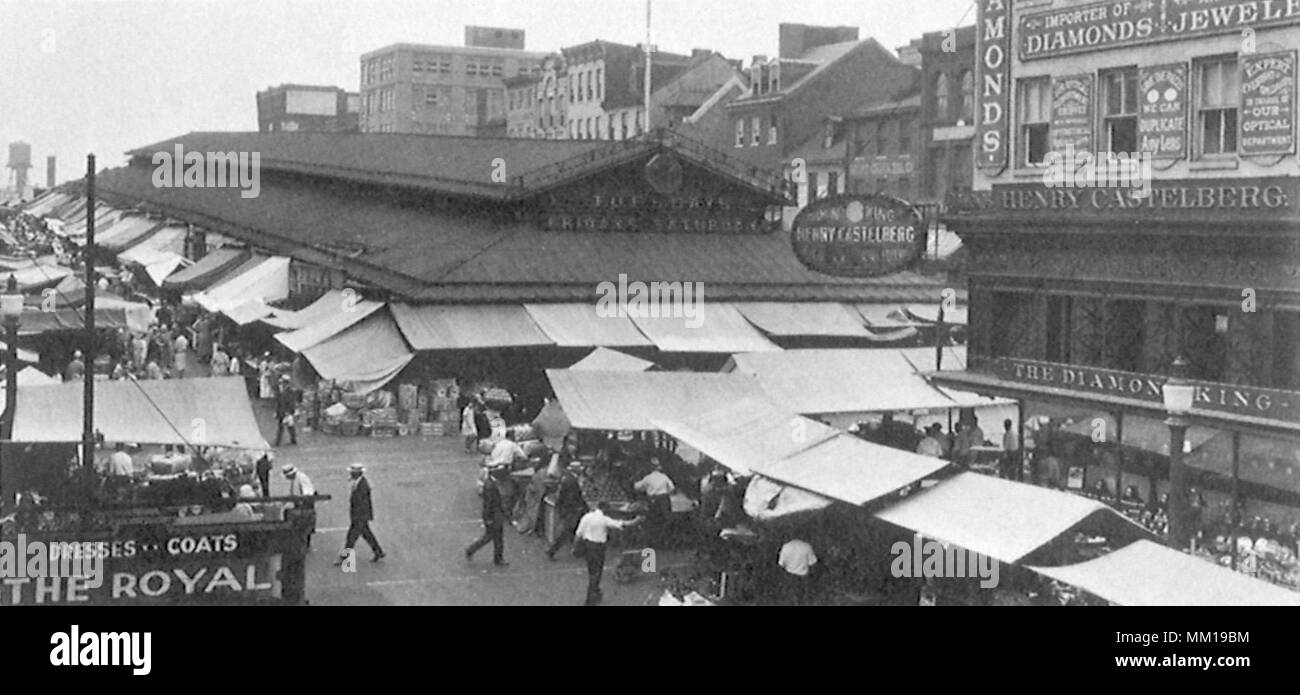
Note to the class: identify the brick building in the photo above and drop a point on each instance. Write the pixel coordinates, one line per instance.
(311, 108)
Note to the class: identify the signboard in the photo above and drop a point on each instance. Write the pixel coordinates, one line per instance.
(881, 167)
(148, 566)
(1123, 23)
(1072, 113)
(1268, 103)
(993, 80)
(1221, 398)
(858, 235)
(1162, 110)
(1191, 199)
(311, 102)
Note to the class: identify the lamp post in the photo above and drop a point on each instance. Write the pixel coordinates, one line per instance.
(11, 308)
(1178, 394)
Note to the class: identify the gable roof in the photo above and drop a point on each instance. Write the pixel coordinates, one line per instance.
(825, 57)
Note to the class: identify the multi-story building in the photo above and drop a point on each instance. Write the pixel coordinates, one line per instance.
(820, 72)
(947, 113)
(605, 87)
(308, 108)
(1092, 284)
(676, 92)
(450, 90)
(538, 103)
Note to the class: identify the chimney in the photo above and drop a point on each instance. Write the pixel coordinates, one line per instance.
(50, 178)
(758, 60)
(797, 39)
(700, 52)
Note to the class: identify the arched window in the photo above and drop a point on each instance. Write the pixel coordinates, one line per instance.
(967, 112)
(941, 96)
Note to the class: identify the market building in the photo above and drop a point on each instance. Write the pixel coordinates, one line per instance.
(1085, 290)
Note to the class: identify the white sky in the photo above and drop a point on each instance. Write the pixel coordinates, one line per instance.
(105, 76)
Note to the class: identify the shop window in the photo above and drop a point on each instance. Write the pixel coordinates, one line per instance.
(880, 138)
(1216, 112)
(1119, 119)
(832, 183)
(963, 169)
(1125, 335)
(1010, 314)
(1204, 348)
(934, 167)
(904, 137)
(967, 110)
(1059, 327)
(1035, 119)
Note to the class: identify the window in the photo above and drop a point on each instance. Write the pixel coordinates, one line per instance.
(880, 138)
(771, 134)
(1216, 113)
(905, 187)
(832, 183)
(756, 130)
(1035, 119)
(1059, 328)
(962, 169)
(966, 110)
(816, 192)
(432, 98)
(600, 82)
(1119, 119)
(941, 97)
(740, 132)
(904, 137)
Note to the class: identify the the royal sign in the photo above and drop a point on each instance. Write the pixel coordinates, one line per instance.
(993, 48)
(858, 236)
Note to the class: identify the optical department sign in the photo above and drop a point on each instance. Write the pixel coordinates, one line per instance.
(1121, 23)
(858, 236)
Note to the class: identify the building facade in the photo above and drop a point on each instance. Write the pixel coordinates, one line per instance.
(308, 108)
(605, 87)
(820, 72)
(445, 90)
(538, 103)
(1089, 281)
(947, 113)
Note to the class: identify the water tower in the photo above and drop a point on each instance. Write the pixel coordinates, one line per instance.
(20, 160)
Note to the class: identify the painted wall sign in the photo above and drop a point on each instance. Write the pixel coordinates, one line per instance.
(1120, 23)
(993, 80)
(1162, 110)
(1223, 398)
(1268, 103)
(1072, 113)
(1273, 198)
(126, 583)
(858, 235)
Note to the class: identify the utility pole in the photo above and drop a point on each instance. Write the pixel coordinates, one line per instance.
(88, 419)
(648, 49)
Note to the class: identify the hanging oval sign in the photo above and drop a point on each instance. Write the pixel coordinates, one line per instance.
(858, 236)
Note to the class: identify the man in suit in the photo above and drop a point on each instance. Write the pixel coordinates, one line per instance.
(362, 512)
(494, 519)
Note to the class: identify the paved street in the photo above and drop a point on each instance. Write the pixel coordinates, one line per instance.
(427, 512)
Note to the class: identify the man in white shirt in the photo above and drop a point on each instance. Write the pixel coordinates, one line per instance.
(120, 464)
(300, 486)
(1011, 444)
(181, 354)
(797, 559)
(506, 452)
(659, 488)
(593, 532)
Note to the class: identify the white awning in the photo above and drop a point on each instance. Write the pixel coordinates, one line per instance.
(36, 276)
(365, 356)
(267, 281)
(1002, 519)
(886, 316)
(205, 412)
(804, 319)
(1144, 573)
(248, 312)
(606, 360)
(768, 500)
(125, 231)
(639, 400)
(464, 326)
(328, 319)
(851, 470)
(747, 434)
(842, 381)
(956, 316)
(329, 303)
(578, 325)
(169, 240)
(714, 328)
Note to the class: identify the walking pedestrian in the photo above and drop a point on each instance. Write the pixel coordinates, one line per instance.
(139, 350)
(300, 486)
(362, 512)
(264, 474)
(76, 368)
(658, 489)
(220, 363)
(494, 519)
(1011, 446)
(181, 354)
(593, 534)
(286, 409)
(569, 504)
(797, 559)
(467, 427)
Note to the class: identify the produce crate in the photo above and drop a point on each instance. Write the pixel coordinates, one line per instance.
(350, 428)
(408, 396)
(444, 388)
(443, 404)
(383, 432)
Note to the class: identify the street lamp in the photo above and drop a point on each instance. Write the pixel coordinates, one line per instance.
(1178, 394)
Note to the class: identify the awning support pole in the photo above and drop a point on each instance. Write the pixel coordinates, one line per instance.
(1233, 517)
(1119, 452)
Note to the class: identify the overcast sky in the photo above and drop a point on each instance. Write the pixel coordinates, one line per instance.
(105, 76)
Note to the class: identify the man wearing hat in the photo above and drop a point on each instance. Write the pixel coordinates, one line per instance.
(362, 512)
(286, 410)
(76, 368)
(569, 503)
(263, 470)
(300, 486)
(494, 518)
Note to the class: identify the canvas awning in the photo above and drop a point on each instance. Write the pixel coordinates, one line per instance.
(923, 360)
(207, 412)
(248, 312)
(129, 315)
(46, 203)
(459, 327)
(639, 400)
(207, 270)
(35, 277)
(579, 325)
(715, 327)
(1145, 573)
(365, 356)
(606, 360)
(1002, 519)
(841, 381)
(170, 239)
(266, 280)
(27, 376)
(127, 230)
(886, 316)
(746, 434)
(956, 316)
(104, 217)
(851, 470)
(332, 302)
(328, 319)
(157, 264)
(768, 500)
(804, 319)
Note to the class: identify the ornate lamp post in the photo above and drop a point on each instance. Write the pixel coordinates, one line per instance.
(1178, 394)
